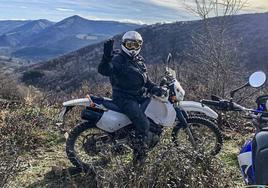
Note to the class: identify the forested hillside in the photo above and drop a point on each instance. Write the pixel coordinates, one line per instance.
(247, 32)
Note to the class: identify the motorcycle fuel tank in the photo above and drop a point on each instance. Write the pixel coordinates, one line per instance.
(161, 112)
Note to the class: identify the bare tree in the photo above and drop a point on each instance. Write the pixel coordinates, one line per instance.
(214, 50)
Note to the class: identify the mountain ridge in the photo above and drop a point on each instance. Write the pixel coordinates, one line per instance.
(43, 40)
(24, 32)
(70, 70)
(7, 25)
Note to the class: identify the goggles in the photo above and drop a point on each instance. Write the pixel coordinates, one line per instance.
(132, 45)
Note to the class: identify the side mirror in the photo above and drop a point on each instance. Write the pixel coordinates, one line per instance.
(257, 79)
(169, 57)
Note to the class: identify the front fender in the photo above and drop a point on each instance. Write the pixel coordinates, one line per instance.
(192, 106)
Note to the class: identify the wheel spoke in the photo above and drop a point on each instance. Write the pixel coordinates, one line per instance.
(87, 147)
(207, 136)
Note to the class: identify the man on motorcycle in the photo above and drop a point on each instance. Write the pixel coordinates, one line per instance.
(129, 79)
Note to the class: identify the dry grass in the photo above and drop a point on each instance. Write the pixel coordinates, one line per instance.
(32, 153)
(40, 161)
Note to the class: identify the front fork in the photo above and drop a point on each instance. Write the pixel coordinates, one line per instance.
(182, 117)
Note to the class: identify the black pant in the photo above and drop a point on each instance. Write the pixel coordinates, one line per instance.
(130, 107)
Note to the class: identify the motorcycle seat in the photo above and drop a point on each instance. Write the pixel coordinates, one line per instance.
(108, 103)
(111, 105)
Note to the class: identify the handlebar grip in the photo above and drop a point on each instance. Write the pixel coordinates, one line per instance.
(210, 102)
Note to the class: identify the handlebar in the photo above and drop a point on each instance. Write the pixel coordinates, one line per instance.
(222, 105)
(226, 105)
(210, 102)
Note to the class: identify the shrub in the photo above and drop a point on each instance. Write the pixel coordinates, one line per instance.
(168, 166)
(32, 76)
(10, 89)
(22, 130)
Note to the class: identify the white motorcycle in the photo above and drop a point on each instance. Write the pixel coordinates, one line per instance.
(105, 130)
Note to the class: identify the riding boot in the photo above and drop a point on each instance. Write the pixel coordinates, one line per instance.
(140, 151)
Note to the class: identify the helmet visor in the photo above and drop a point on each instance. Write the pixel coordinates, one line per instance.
(132, 45)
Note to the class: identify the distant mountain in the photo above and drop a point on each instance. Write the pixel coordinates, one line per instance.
(8, 25)
(4, 41)
(42, 39)
(68, 71)
(17, 36)
(76, 25)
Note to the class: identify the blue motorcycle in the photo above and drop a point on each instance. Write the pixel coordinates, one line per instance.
(253, 157)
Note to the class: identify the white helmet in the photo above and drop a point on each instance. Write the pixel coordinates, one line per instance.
(131, 43)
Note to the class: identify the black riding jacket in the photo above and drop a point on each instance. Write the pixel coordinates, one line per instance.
(128, 75)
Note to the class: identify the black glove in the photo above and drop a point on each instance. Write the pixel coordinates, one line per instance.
(108, 49)
(158, 91)
(226, 105)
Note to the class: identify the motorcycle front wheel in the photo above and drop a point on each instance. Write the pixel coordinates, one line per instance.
(200, 134)
(88, 147)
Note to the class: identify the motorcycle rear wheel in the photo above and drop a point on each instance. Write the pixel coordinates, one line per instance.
(206, 134)
(82, 147)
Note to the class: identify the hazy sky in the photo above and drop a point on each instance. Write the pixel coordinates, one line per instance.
(141, 11)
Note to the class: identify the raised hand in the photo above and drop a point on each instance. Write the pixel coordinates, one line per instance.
(108, 48)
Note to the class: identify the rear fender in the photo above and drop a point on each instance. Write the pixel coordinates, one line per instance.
(192, 106)
(68, 105)
(78, 102)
